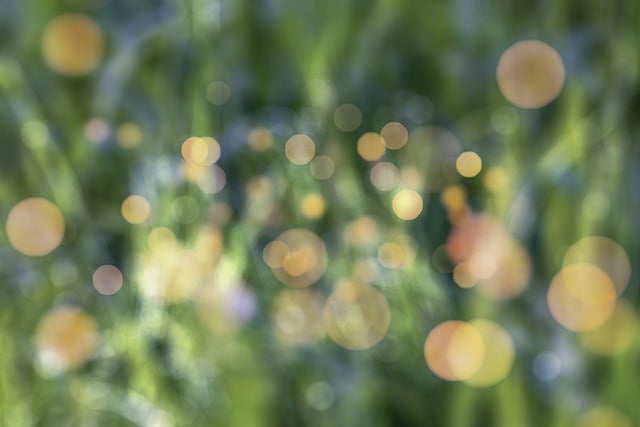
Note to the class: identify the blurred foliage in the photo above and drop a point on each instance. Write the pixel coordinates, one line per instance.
(174, 69)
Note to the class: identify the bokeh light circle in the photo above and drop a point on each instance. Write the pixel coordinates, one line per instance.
(615, 335)
(300, 149)
(468, 164)
(298, 257)
(530, 74)
(35, 227)
(498, 357)
(72, 44)
(454, 350)
(135, 209)
(107, 279)
(488, 257)
(384, 176)
(396, 254)
(356, 315)
(407, 204)
(322, 167)
(394, 135)
(66, 337)
(260, 139)
(605, 254)
(204, 151)
(371, 146)
(362, 231)
(312, 206)
(581, 297)
(347, 117)
(297, 316)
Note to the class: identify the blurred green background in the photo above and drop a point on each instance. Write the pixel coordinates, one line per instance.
(202, 331)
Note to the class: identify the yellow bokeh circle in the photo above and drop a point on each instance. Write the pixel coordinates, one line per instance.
(72, 44)
(35, 227)
(530, 74)
(605, 254)
(297, 257)
(300, 149)
(581, 297)
(615, 335)
(468, 164)
(498, 357)
(135, 209)
(66, 337)
(407, 204)
(454, 350)
(371, 146)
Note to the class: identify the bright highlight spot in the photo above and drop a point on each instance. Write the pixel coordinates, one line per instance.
(35, 227)
(313, 206)
(464, 276)
(204, 151)
(395, 135)
(72, 45)
(498, 357)
(300, 149)
(603, 253)
(468, 164)
(530, 74)
(487, 255)
(107, 279)
(298, 258)
(371, 146)
(135, 209)
(66, 338)
(407, 204)
(454, 350)
(581, 297)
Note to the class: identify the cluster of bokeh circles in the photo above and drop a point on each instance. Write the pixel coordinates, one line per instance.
(404, 165)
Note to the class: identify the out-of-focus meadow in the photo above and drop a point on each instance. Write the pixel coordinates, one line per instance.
(339, 213)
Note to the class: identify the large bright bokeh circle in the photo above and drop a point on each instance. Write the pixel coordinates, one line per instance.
(72, 44)
(35, 227)
(530, 74)
(581, 297)
(454, 350)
